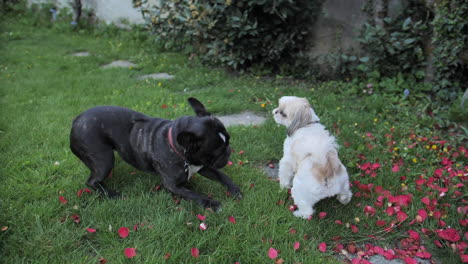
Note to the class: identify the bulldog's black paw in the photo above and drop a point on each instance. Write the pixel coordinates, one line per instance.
(235, 192)
(212, 204)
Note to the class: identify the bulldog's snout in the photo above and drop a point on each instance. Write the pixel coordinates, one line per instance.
(222, 160)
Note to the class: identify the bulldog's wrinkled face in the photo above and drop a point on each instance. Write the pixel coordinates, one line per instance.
(205, 138)
(214, 149)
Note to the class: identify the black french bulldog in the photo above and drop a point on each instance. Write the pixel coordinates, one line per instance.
(173, 149)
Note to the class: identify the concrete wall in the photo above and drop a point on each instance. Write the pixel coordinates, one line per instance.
(108, 11)
(339, 24)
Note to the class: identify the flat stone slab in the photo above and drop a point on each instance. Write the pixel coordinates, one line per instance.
(244, 119)
(156, 76)
(81, 54)
(271, 170)
(119, 64)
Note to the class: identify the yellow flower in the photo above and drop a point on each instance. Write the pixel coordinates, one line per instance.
(263, 105)
(395, 148)
(403, 185)
(159, 84)
(415, 160)
(428, 147)
(434, 147)
(376, 120)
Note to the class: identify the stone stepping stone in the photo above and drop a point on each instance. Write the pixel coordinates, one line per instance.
(244, 119)
(81, 54)
(156, 76)
(271, 170)
(119, 64)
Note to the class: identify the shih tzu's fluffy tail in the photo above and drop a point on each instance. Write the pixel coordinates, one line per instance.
(326, 171)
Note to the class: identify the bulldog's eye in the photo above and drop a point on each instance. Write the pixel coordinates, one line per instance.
(282, 113)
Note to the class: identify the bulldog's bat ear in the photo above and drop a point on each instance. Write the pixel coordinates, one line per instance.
(188, 140)
(198, 107)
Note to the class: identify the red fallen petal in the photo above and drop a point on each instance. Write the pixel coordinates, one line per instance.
(389, 254)
(354, 228)
(390, 210)
(167, 256)
(401, 216)
(296, 245)
(80, 191)
(91, 230)
(338, 248)
(292, 208)
(102, 261)
(378, 250)
(425, 200)
(464, 258)
(400, 200)
(229, 163)
(414, 235)
(76, 218)
(369, 210)
(322, 215)
(232, 219)
(62, 200)
(201, 217)
(272, 253)
(420, 181)
(395, 168)
(423, 214)
(438, 244)
(123, 232)
(463, 222)
(352, 248)
(438, 173)
(423, 255)
(322, 247)
(375, 166)
(195, 252)
(338, 222)
(203, 226)
(449, 234)
(437, 215)
(442, 223)
(409, 260)
(365, 166)
(130, 252)
(381, 223)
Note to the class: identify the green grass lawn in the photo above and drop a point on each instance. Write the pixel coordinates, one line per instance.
(43, 87)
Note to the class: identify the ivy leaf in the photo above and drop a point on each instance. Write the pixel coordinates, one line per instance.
(364, 59)
(409, 41)
(406, 24)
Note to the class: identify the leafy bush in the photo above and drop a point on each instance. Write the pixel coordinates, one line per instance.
(396, 47)
(450, 39)
(240, 33)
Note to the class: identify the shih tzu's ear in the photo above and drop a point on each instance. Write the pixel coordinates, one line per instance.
(315, 118)
(198, 107)
(301, 117)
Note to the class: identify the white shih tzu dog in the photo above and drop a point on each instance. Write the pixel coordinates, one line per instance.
(310, 163)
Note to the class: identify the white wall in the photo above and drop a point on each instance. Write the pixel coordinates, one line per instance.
(108, 11)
